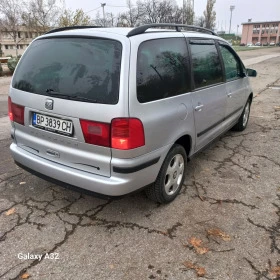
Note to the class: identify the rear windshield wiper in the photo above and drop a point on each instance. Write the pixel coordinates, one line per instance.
(51, 92)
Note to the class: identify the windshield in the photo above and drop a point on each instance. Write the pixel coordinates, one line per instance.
(84, 69)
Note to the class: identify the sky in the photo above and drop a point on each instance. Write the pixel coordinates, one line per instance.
(257, 10)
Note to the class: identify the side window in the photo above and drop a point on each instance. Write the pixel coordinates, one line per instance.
(233, 66)
(207, 68)
(162, 69)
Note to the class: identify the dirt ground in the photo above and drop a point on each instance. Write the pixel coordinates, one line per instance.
(225, 224)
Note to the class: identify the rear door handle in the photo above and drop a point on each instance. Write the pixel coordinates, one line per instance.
(198, 108)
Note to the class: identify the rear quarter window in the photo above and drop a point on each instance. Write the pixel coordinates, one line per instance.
(162, 69)
(82, 67)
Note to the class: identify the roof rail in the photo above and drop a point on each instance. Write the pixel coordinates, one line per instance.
(71, 27)
(143, 28)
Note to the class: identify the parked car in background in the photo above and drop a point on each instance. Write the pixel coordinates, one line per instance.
(272, 43)
(265, 44)
(258, 44)
(242, 44)
(249, 45)
(113, 110)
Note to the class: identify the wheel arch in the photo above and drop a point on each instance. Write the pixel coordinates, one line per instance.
(186, 142)
(251, 97)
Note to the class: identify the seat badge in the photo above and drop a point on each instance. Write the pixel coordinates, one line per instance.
(49, 104)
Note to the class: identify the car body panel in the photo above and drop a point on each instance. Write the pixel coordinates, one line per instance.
(208, 119)
(112, 171)
(92, 158)
(168, 118)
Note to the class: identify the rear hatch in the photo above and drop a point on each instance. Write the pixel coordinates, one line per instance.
(68, 89)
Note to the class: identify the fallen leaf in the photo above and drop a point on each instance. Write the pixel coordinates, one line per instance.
(25, 276)
(218, 233)
(206, 169)
(188, 264)
(275, 271)
(22, 183)
(11, 211)
(197, 244)
(200, 271)
(201, 250)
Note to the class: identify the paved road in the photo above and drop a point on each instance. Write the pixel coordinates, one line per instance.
(255, 60)
(226, 219)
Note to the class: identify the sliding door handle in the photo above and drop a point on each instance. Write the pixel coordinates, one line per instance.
(198, 108)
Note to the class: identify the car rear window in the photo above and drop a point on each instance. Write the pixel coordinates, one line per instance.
(85, 69)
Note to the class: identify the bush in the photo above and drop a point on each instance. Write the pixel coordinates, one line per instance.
(12, 63)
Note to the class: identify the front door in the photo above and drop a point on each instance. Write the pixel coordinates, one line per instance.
(236, 83)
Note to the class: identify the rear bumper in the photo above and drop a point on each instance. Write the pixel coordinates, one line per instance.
(116, 185)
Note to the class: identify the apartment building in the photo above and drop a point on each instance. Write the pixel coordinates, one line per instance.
(24, 38)
(263, 32)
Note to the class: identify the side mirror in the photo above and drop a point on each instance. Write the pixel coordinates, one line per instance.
(251, 72)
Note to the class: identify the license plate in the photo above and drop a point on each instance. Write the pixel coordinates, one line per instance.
(52, 124)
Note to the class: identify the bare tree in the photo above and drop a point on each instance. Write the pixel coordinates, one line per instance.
(200, 21)
(155, 11)
(43, 14)
(131, 17)
(98, 20)
(109, 21)
(188, 12)
(71, 18)
(159, 11)
(177, 15)
(10, 21)
(210, 14)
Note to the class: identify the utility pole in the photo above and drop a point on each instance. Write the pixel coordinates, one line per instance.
(193, 12)
(237, 31)
(103, 5)
(183, 11)
(231, 9)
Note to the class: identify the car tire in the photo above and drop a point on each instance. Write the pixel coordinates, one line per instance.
(244, 118)
(171, 176)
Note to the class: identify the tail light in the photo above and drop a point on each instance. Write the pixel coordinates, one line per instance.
(96, 133)
(122, 133)
(127, 133)
(16, 112)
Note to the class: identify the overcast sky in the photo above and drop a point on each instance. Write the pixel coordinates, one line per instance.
(258, 10)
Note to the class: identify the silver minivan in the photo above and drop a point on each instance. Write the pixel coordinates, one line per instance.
(114, 110)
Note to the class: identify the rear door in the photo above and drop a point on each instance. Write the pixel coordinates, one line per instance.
(209, 94)
(69, 87)
(160, 93)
